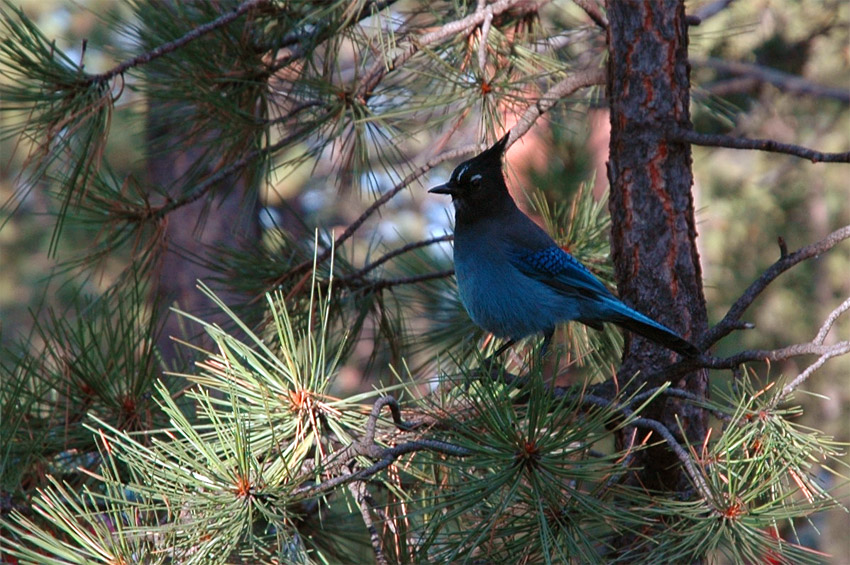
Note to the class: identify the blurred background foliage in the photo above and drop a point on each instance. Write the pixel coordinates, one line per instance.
(746, 200)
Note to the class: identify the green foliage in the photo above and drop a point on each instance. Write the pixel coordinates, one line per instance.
(758, 472)
(265, 450)
(535, 483)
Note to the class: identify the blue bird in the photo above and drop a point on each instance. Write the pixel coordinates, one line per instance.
(513, 279)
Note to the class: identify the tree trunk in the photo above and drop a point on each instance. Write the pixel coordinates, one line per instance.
(227, 218)
(653, 229)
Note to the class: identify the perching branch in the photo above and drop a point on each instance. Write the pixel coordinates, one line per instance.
(718, 140)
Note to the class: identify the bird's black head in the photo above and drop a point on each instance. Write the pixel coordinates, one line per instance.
(477, 185)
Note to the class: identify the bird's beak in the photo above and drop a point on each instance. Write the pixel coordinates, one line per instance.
(442, 189)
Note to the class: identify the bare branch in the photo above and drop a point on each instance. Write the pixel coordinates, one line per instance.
(682, 135)
(783, 81)
(594, 11)
(731, 321)
(773, 355)
(830, 321)
(841, 348)
(641, 422)
(361, 496)
(682, 454)
(575, 81)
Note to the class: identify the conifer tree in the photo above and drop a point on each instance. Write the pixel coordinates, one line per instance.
(182, 397)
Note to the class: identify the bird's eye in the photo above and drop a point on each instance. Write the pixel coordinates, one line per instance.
(475, 181)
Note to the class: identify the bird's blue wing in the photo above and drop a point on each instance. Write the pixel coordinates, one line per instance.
(560, 270)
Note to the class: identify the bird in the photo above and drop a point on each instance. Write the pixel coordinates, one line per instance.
(513, 279)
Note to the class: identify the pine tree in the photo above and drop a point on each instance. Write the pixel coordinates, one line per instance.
(185, 399)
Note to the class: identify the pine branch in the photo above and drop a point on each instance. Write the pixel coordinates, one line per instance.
(575, 81)
(449, 30)
(681, 135)
(305, 266)
(395, 253)
(173, 46)
(338, 467)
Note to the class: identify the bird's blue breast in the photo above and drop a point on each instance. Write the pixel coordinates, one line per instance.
(502, 299)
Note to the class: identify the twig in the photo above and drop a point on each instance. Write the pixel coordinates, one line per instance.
(575, 81)
(172, 46)
(337, 466)
(385, 458)
(830, 321)
(395, 253)
(361, 496)
(694, 473)
(386, 197)
(731, 320)
(718, 140)
(841, 348)
(592, 9)
(707, 11)
(450, 30)
(381, 284)
(784, 81)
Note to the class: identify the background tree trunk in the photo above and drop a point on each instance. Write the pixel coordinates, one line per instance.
(228, 218)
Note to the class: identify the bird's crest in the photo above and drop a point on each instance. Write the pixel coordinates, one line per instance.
(488, 160)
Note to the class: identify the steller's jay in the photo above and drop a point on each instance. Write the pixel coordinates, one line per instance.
(513, 279)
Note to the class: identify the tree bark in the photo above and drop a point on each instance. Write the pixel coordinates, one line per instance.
(653, 228)
(227, 218)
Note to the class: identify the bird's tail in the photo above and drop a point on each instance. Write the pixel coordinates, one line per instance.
(645, 326)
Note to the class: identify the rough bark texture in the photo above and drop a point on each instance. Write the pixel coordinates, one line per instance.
(654, 234)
